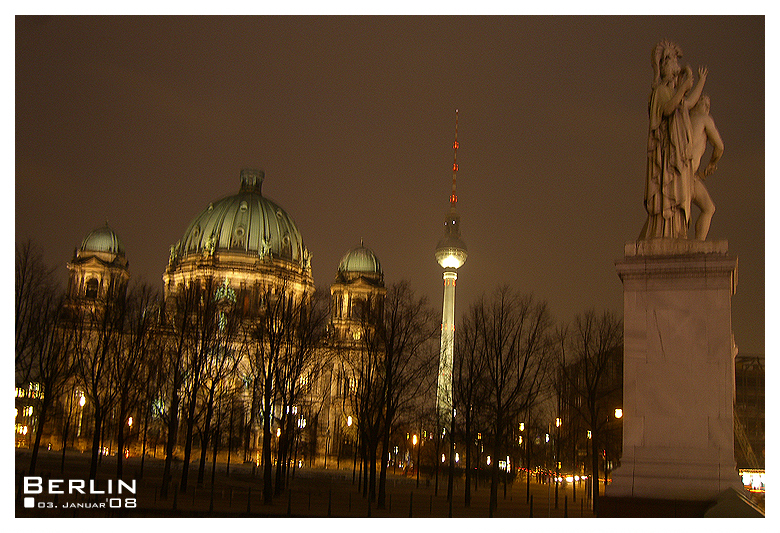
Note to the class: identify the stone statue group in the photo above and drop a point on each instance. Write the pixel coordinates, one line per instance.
(680, 128)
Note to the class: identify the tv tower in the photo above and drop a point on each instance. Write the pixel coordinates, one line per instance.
(450, 254)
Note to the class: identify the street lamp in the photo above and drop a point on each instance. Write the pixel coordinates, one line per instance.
(618, 413)
(557, 457)
(82, 403)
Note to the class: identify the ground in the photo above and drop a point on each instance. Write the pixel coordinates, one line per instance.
(313, 492)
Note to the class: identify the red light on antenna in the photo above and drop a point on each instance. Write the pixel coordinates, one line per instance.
(455, 167)
(455, 145)
(454, 199)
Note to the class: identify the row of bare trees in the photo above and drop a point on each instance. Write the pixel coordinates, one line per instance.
(511, 359)
(392, 369)
(98, 353)
(203, 363)
(185, 368)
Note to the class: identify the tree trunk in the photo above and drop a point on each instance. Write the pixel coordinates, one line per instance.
(281, 453)
(143, 445)
(230, 439)
(173, 429)
(65, 434)
(185, 467)
(467, 487)
(205, 439)
(372, 473)
(451, 473)
(214, 465)
(267, 485)
(120, 442)
(380, 504)
(595, 469)
(436, 461)
(38, 434)
(280, 459)
(494, 467)
(95, 444)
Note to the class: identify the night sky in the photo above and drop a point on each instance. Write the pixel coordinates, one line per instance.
(142, 122)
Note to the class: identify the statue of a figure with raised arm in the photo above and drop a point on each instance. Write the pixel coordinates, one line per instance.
(669, 188)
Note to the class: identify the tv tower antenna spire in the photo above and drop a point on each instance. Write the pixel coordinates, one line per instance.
(454, 195)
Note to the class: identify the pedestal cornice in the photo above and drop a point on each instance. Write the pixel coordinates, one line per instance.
(651, 260)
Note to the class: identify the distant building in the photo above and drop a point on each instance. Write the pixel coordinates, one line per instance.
(749, 411)
(575, 431)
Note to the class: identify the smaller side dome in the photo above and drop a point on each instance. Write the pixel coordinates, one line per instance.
(360, 260)
(103, 239)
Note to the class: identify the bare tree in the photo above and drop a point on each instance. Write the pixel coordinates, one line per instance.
(100, 338)
(587, 354)
(129, 363)
(517, 349)
(469, 388)
(300, 365)
(203, 340)
(272, 337)
(152, 379)
(406, 330)
(220, 364)
(34, 284)
(362, 367)
(176, 330)
(51, 364)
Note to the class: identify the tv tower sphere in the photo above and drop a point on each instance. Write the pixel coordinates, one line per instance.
(451, 250)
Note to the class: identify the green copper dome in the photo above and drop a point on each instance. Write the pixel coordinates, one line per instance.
(360, 259)
(245, 222)
(102, 239)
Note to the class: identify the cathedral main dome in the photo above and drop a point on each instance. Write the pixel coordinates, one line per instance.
(245, 222)
(244, 240)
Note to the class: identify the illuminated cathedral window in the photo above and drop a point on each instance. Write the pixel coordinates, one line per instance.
(92, 288)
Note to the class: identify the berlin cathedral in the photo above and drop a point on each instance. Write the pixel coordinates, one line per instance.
(243, 245)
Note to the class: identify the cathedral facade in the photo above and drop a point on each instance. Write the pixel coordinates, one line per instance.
(247, 247)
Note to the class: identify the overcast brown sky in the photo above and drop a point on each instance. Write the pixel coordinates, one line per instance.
(144, 121)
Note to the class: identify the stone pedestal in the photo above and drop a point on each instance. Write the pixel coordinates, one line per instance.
(678, 380)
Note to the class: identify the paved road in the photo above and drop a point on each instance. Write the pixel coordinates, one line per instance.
(313, 492)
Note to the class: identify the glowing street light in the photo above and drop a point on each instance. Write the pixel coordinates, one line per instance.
(618, 413)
